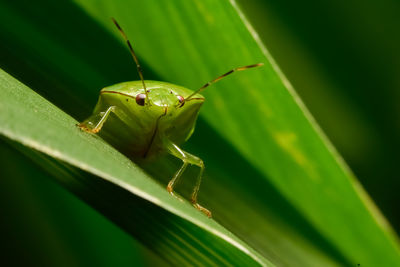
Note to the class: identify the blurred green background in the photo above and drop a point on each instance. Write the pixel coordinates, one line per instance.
(343, 59)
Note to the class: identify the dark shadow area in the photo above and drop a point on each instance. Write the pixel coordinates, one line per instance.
(91, 57)
(42, 224)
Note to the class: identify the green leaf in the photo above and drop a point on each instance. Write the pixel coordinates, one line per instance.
(35, 123)
(328, 62)
(60, 224)
(272, 178)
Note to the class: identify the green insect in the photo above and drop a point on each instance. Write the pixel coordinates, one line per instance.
(151, 118)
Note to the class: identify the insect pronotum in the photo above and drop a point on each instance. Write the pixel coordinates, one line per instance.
(151, 118)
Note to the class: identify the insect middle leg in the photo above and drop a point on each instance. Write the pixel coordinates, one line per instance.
(94, 123)
(187, 158)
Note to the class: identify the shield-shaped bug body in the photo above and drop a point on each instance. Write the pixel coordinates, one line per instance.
(151, 117)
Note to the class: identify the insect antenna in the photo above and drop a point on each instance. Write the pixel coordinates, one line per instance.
(139, 68)
(222, 76)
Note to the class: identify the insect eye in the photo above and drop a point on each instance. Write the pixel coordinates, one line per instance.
(181, 100)
(140, 99)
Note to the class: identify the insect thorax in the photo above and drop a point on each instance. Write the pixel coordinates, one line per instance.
(138, 130)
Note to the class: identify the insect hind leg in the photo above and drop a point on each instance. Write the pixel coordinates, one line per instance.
(187, 158)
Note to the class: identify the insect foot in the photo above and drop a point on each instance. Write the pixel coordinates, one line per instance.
(202, 209)
(171, 191)
(85, 127)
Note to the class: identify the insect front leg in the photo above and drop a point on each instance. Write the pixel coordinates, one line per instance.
(94, 123)
(187, 158)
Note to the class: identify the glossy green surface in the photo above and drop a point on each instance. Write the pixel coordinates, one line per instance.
(158, 97)
(138, 130)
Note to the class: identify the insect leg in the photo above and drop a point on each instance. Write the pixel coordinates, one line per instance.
(187, 158)
(178, 174)
(94, 123)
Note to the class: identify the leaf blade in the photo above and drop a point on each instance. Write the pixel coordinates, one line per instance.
(302, 156)
(28, 114)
